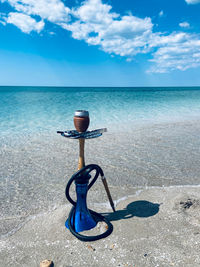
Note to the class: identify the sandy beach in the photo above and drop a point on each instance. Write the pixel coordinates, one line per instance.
(153, 175)
(129, 73)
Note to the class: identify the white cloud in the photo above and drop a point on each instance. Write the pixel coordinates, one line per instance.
(184, 24)
(191, 2)
(176, 51)
(25, 22)
(52, 10)
(94, 11)
(2, 18)
(160, 40)
(161, 13)
(95, 23)
(129, 35)
(3, 22)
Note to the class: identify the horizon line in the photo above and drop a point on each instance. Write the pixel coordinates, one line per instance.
(93, 86)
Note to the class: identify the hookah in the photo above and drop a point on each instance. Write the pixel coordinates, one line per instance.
(80, 217)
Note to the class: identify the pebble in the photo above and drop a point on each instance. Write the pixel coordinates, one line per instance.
(46, 263)
(91, 248)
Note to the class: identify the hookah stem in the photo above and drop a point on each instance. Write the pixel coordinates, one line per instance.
(81, 162)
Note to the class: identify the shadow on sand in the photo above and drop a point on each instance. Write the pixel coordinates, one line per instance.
(140, 208)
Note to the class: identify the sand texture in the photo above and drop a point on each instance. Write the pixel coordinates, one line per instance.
(156, 227)
(153, 175)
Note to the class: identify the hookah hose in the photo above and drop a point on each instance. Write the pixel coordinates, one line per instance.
(82, 176)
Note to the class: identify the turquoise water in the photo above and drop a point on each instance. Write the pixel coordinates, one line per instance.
(30, 110)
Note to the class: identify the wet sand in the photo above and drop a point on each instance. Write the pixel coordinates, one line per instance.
(158, 164)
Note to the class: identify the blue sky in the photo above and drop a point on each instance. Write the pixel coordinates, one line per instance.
(100, 43)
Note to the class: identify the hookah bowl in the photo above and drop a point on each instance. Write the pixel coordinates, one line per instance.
(81, 120)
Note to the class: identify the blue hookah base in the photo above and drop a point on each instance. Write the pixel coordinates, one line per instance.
(81, 220)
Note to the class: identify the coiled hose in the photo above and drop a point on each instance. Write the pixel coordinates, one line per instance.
(82, 176)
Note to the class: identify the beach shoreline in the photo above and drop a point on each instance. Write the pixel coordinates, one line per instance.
(35, 170)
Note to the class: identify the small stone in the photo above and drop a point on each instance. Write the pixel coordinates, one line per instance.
(145, 255)
(187, 204)
(112, 246)
(106, 227)
(90, 247)
(46, 263)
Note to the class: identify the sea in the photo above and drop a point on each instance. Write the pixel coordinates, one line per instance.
(44, 110)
